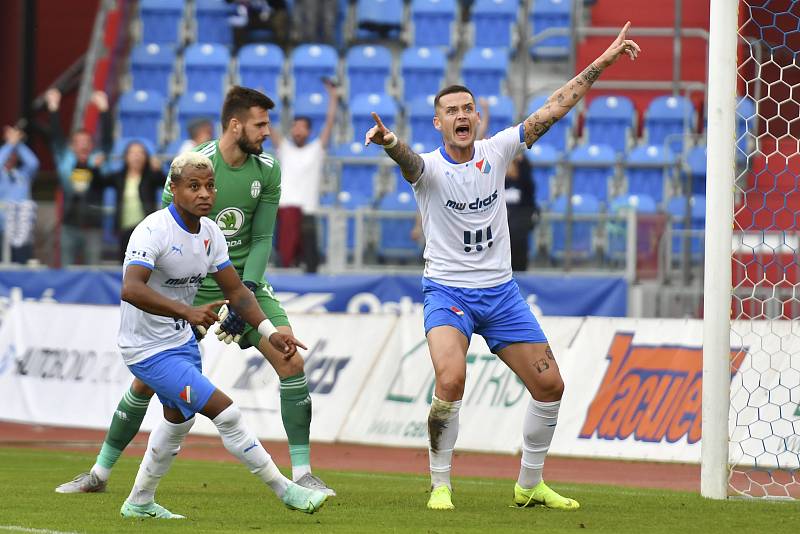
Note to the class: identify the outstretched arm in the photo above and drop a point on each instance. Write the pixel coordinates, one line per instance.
(565, 98)
(411, 164)
(330, 114)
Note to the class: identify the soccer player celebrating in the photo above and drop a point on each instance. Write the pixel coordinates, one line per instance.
(169, 255)
(248, 191)
(467, 279)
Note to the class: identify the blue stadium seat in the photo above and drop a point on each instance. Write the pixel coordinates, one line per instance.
(546, 14)
(151, 67)
(432, 22)
(395, 233)
(676, 207)
(116, 159)
(560, 134)
(582, 248)
(260, 67)
(616, 230)
(379, 19)
(422, 70)
(161, 20)
(484, 70)
(351, 201)
(647, 169)
(358, 176)
(420, 121)
(206, 67)
(544, 161)
(746, 128)
(667, 121)
(313, 106)
(696, 168)
(593, 167)
(369, 68)
(361, 108)
(212, 21)
(501, 114)
(310, 64)
(140, 113)
(610, 121)
(493, 21)
(198, 105)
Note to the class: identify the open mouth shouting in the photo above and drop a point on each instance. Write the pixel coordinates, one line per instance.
(463, 132)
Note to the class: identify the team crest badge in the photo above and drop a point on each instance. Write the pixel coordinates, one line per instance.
(483, 166)
(255, 189)
(456, 311)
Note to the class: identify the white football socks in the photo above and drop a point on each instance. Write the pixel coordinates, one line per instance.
(162, 447)
(442, 434)
(244, 444)
(538, 428)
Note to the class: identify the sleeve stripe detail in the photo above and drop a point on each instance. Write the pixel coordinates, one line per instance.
(224, 264)
(522, 132)
(140, 262)
(209, 150)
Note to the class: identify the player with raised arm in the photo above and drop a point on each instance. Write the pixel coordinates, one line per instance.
(467, 281)
(248, 190)
(169, 255)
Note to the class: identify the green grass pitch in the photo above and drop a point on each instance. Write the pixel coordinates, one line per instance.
(223, 497)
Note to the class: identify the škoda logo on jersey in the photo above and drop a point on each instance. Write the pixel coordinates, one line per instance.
(650, 392)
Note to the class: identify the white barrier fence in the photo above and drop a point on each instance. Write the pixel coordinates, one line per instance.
(632, 385)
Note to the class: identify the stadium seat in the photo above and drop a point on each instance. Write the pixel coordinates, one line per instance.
(422, 70)
(151, 67)
(368, 68)
(610, 121)
(668, 120)
(310, 64)
(647, 170)
(493, 21)
(484, 70)
(206, 67)
(361, 108)
(432, 23)
(593, 166)
(501, 114)
(746, 127)
(395, 233)
(544, 161)
(116, 161)
(696, 169)
(420, 121)
(379, 19)
(140, 113)
(676, 207)
(616, 230)
(352, 201)
(559, 135)
(260, 67)
(314, 106)
(546, 14)
(198, 105)
(583, 230)
(358, 167)
(212, 21)
(161, 20)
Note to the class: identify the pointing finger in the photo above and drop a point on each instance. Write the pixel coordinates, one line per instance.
(624, 30)
(378, 121)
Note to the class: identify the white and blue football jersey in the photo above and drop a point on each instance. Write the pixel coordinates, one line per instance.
(179, 261)
(464, 216)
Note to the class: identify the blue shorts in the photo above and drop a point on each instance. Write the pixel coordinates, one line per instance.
(498, 313)
(176, 375)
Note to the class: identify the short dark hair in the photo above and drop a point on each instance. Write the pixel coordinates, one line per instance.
(304, 118)
(449, 90)
(239, 100)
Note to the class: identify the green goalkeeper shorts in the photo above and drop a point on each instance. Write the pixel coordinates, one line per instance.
(266, 300)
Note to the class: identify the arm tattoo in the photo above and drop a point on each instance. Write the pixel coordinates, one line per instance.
(590, 74)
(409, 161)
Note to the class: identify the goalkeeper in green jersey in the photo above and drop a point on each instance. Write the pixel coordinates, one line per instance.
(248, 190)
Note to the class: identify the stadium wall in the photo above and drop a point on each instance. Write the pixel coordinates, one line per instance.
(632, 385)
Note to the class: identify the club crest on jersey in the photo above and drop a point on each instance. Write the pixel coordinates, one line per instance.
(255, 189)
(483, 166)
(186, 394)
(208, 249)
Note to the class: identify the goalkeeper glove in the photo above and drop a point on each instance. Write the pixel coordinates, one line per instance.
(231, 325)
(199, 332)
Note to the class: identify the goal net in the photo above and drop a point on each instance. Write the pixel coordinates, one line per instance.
(764, 423)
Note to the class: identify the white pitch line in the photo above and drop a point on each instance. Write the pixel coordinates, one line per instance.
(17, 528)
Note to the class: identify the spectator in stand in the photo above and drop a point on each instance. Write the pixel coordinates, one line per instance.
(258, 15)
(301, 169)
(200, 131)
(315, 21)
(82, 184)
(138, 186)
(18, 166)
(522, 210)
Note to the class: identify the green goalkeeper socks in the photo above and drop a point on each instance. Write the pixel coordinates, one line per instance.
(124, 425)
(296, 415)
